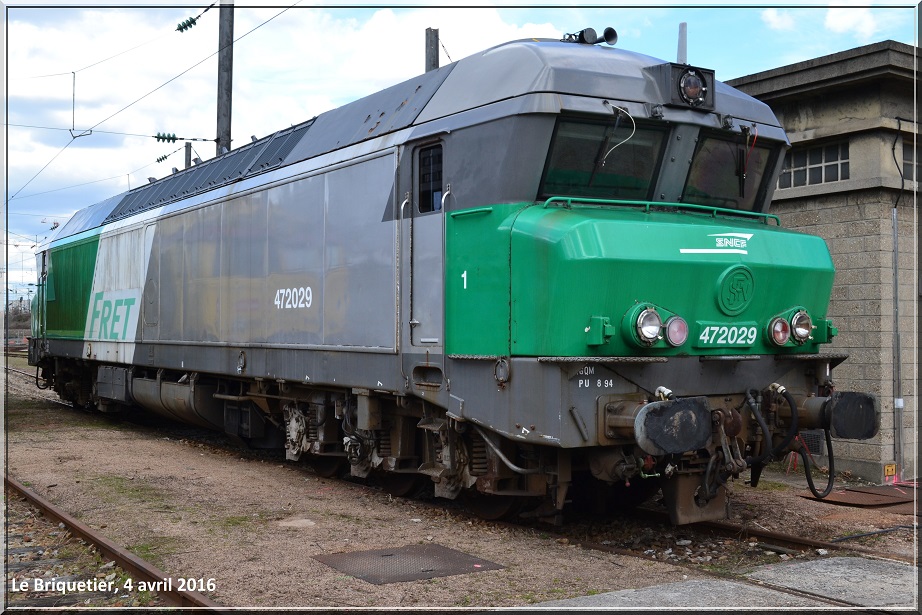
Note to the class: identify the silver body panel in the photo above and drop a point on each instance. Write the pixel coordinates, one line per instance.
(227, 250)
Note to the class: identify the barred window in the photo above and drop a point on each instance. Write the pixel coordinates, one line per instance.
(910, 166)
(814, 165)
(430, 179)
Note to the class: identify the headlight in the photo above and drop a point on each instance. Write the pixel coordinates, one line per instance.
(692, 87)
(780, 331)
(801, 326)
(676, 331)
(648, 326)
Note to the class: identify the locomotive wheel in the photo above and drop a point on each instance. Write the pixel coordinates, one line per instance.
(328, 466)
(399, 484)
(492, 507)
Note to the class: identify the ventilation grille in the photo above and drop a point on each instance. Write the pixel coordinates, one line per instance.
(257, 157)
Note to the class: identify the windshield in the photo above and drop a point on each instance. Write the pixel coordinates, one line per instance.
(614, 159)
(726, 173)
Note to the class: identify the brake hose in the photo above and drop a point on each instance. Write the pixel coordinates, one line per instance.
(792, 431)
(752, 461)
(37, 384)
(756, 463)
(720, 478)
(832, 467)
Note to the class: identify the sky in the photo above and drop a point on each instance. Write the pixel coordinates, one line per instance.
(87, 88)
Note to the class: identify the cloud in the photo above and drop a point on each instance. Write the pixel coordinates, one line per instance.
(117, 70)
(777, 20)
(860, 22)
(289, 66)
(298, 63)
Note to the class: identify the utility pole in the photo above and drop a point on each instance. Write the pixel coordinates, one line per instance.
(188, 154)
(432, 49)
(225, 75)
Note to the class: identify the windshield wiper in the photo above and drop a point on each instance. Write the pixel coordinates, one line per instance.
(600, 154)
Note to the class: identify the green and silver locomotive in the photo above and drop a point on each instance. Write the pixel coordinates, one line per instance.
(547, 264)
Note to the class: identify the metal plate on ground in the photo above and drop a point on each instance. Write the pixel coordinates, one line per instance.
(871, 496)
(903, 508)
(852, 498)
(409, 563)
(902, 493)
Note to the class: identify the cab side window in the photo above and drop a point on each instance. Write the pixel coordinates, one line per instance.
(430, 179)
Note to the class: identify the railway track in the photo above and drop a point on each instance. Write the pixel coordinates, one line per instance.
(18, 371)
(784, 543)
(781, 543)
(31, 586)
(736, 543)
(778, 542)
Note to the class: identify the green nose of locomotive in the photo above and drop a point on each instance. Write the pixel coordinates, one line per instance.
(620, 280)
(582, 278)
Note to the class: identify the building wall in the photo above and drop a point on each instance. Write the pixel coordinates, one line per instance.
(857, 226)
(854, 216)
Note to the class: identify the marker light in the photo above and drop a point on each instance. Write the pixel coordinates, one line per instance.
(780, 331)
(649, 324)
(801, 326)
(676, 331)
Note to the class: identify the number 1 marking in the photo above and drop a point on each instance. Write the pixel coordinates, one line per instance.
(464, 277)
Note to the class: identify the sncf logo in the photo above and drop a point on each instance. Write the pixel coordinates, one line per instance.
(724, 243)
(731, 242)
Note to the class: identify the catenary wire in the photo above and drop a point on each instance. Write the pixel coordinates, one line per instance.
(53, 158)
(97, 63)
(151, 92)
(193, 66)
(95, 181)
(109, 132)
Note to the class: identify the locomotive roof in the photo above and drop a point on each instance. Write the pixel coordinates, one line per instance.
(501, 73)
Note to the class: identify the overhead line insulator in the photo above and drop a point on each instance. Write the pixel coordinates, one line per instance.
(185, 25)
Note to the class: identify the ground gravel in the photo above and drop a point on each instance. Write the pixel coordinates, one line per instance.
(198, 508)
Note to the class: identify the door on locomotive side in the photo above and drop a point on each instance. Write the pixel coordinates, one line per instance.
(426, 247)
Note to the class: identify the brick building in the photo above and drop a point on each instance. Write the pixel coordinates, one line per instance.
(851, 177)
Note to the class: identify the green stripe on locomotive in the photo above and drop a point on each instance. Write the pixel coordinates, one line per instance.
(68, 287)
(546, 280)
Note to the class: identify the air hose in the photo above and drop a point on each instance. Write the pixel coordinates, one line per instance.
(757, 463)
(37, 383)
(792, 430)
(832, 467)
(754, 406)
(712, 479)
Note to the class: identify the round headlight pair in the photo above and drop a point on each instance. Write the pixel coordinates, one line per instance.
(800, 328)
(649, 325)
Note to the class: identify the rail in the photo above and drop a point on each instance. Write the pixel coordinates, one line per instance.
(131, 563)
